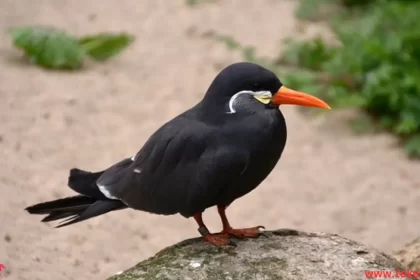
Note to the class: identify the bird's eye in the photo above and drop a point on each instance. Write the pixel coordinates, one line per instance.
(255, 87)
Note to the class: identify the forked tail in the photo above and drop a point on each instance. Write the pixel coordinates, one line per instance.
(90, 203)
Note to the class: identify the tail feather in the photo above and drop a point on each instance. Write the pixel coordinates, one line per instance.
(98, 208)
(90, 203)
(57, 215)
(64, 204)
(75, 209)
(84, 182)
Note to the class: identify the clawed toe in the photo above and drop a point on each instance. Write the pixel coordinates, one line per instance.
(245, 232)
(219, 239)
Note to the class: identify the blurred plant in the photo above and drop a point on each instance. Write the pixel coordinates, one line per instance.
(247, 52)
(375, 68)
(49, 47)
(197, 2)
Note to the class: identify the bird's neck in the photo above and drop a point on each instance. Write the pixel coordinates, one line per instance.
(212, 110)
(212, 101)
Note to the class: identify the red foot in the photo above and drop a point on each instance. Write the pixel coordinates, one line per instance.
(217, 239)
(244, 232)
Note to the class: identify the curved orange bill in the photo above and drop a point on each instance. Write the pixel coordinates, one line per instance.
(289, 96)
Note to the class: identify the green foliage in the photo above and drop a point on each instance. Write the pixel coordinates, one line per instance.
(49, 47)
(376, 67)
(53, 48)
(247, 52)
(105, 45)
(323, 9)
(193, 3)
(311, 9)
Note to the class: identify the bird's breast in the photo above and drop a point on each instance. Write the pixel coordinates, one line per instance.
(261, 134)
(264, 139)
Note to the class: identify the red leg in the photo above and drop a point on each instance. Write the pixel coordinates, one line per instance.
(217, 239)
(240, 233)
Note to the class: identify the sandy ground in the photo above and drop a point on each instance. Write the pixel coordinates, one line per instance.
(330, 180)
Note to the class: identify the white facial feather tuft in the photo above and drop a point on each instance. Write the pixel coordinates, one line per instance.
(263, 93)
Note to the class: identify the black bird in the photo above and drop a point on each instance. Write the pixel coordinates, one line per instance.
(210, 155)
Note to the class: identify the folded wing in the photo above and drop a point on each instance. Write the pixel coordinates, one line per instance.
(183, 168)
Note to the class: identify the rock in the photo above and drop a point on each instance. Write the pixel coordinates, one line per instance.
(410, 255)
(284, 254)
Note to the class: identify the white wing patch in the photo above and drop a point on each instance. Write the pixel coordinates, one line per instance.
(236, 95)
(104, 189)
(106, 192)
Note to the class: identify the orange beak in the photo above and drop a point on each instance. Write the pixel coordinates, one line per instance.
(289, 96)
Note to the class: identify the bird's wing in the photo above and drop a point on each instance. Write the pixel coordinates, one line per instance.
(182, 168)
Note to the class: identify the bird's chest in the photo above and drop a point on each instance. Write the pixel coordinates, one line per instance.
(265, 139)
(264, 155)
(265, 143)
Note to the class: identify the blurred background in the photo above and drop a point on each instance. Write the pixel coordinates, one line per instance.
(352, 171)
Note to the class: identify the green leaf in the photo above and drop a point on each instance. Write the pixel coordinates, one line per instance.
(105, 45)
(412, 146)
(48, 47)
(407, 123)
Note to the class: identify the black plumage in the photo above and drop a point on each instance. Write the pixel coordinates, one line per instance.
(210, 155)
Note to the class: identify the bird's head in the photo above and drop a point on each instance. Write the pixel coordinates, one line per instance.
(246, 84)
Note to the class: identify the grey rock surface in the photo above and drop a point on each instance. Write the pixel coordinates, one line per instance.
(409, 255)
(283, 254)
